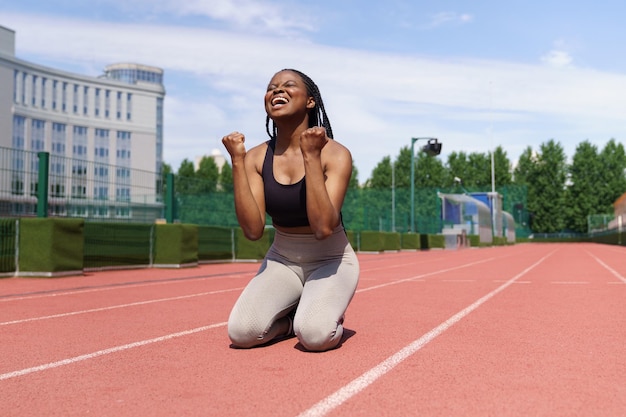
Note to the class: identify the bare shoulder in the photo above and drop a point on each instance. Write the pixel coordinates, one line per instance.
(337, 152)
(256, 155)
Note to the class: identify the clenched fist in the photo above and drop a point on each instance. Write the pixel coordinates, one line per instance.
(313, 139)
(234, 144)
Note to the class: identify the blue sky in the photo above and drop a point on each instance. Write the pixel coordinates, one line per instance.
(473, 74)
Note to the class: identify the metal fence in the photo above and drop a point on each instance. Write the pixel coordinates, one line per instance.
(43, 184)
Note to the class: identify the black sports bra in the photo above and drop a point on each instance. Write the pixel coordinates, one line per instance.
(286, 204)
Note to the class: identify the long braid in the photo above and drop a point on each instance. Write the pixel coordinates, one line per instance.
(317, 115)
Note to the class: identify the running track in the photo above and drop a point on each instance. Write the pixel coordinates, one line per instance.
(524, 330)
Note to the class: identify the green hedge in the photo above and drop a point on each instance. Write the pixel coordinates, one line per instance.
(51, 247)
(215, 243)
(56, 246)
(410, 241)
(252, 250)
(176, 245)
(8, 233)
(117, 244)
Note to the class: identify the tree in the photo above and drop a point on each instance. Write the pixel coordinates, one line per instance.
(525, 167)
(546, 189)
(207, 175)
(474, 169)
(185, 181)
(226, 178)
(585, 177)
(381, 175)
(458, 168)
(502, 167)
(429, 171)
(354, 178)
(613, 161)
(166, 169)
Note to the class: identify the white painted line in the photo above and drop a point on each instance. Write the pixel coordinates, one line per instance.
(138, 303)
(417, 277)
(115, 287)
(458, 280)
(570, 282)
(115, 349)
(608, 268)
(357, 385)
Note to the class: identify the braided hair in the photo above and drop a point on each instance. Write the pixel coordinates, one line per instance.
(317, 115)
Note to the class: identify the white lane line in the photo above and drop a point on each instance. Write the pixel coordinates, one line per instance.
(357, 385)
(94, 310)
(608, 268)
(417, 277)
(138, 303)
(414, 278)
(108, 351)
(115, 287)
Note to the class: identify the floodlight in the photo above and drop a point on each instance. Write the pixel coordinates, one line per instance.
(433, 147)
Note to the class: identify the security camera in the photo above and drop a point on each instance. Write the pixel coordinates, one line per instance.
(432, 148)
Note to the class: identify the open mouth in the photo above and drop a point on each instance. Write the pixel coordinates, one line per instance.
(279, 101)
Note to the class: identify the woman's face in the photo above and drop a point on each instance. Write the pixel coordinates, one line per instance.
(287, 95)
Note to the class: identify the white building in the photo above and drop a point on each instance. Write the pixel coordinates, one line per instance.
(217, 157)
(113, 122)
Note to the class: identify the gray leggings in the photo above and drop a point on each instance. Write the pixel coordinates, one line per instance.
(319, 277)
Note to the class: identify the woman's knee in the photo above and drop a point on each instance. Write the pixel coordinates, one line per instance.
(240, 336)
(318, 337)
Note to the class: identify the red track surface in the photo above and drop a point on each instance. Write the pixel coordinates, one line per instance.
(512, 331)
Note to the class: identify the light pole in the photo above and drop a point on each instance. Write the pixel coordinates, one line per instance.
(393, 196)
(432, 148)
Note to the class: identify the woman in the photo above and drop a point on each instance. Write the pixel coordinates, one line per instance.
(299, 177)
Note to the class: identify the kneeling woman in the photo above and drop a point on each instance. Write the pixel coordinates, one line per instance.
(300, 178)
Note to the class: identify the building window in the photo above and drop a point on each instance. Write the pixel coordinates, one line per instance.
(16, 79)
(54, 94)
(101, 148)
(58, 138)
(33, 92)
(79, 142)
(19, 124)
(97, 103)
(75, 99)
(44, 81)
(122, 173)
(17, 158)
(37, 135)
(107, 103)
(123, 148)
(57, 161)
(118, 104)
(23, 92)
(85, 100)
(64, 97)
(129, 107)
(79, 163)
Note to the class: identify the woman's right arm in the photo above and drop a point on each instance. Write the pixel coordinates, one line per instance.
(247, 185)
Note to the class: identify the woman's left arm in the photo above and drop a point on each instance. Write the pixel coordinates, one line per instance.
(328, 168)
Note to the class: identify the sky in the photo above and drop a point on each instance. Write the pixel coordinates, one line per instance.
(475, 75)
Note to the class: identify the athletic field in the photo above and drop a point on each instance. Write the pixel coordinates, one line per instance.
(523, 330)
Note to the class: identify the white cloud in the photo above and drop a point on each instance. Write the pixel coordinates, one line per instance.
(376, 101)
(557, 59)
(260, 16)
(443, 18)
